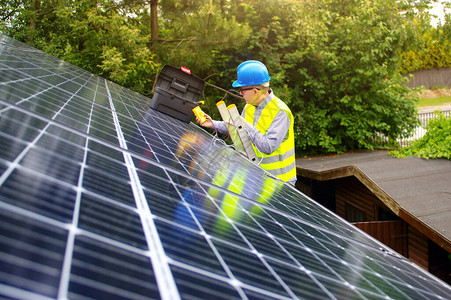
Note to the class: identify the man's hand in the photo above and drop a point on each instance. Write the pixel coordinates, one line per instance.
(208, 123)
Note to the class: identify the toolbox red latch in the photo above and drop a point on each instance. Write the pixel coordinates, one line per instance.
(185, 69)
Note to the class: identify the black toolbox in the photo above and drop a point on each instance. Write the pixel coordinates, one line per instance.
(176, 92)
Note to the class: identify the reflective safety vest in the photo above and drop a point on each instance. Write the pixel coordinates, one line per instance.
(281, 163)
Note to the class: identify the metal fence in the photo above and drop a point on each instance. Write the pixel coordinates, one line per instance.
(419, 132)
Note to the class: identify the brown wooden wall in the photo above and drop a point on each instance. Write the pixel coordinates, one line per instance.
(418, 248)
(430, 78)
(395, 234)
(351, 191)
(391, 233)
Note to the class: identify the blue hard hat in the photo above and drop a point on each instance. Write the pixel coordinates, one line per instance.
(251, 72)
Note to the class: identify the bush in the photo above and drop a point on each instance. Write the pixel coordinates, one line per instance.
(436, 143)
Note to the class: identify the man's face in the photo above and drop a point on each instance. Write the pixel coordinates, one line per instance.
(249, 94)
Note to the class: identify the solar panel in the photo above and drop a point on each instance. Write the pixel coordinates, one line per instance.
(101, 197)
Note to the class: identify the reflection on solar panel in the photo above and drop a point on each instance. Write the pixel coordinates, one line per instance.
(101, 197)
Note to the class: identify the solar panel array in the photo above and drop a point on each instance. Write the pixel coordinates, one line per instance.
(101, 197)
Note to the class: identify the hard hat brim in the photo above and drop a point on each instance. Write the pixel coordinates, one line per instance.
(237, 84)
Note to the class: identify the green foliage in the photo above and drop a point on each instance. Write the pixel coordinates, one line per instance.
(195, 33)
(346, 80)
(335, 63)
(436, 143)
(435, 52)
(93, 35)
(428, 47)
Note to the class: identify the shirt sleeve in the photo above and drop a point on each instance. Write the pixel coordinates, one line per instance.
(220, 126)
(275, 135)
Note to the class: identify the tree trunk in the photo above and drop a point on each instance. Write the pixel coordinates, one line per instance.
(34, 8)
(33, 22)
(154, 19)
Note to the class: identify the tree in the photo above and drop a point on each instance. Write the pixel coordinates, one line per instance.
(97, 35)
(335, 63)
(194, 33)
(347, 77)
(428, 47)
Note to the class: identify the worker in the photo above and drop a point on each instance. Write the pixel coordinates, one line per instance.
(269, 121)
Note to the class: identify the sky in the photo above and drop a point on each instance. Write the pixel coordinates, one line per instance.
(438, 11)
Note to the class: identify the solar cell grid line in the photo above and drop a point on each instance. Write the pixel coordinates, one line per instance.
(233, 281)
(44, 92)
(322, 239)
(74, 228)
(257, 253)
(20, 86)
(224, 265)
(306, 222)
(229, 272)
(289, 255)
(326, 249)
(253, 250)
(148, 145)
(164, 277)
(131, 103)
(166, 154)
(159, 130)
(21, 155)
(321, 257)
(263, 249)
(68, 254)
(315, 216)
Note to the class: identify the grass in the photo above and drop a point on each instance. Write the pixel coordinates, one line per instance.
(443, 100)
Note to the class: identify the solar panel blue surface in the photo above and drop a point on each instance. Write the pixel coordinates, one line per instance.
(101, 197)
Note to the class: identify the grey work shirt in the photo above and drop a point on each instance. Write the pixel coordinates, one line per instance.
(275, 135)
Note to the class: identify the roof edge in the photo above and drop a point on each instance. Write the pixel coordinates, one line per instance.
(410, 219)
(425, 229)
(327, 174)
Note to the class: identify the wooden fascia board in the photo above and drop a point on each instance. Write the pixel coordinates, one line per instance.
(425, 229)
(328, 174)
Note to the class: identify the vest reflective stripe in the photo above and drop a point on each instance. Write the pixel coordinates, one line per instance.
(280, 171)
(276, 158)
(280, 163)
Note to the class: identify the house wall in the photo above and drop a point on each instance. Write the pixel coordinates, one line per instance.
(439, 262)
(352, 199)
(351, 194)
(395, 233)
(391, 233)
(418, 248)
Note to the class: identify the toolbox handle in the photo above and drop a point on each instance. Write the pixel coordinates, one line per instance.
(179, 85)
